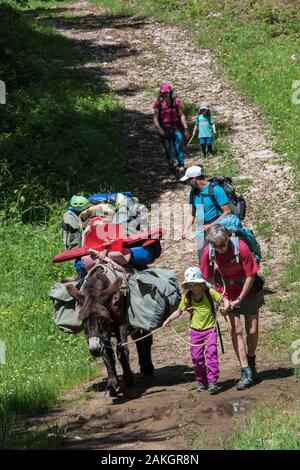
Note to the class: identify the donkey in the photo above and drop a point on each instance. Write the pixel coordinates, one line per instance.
(103, 314)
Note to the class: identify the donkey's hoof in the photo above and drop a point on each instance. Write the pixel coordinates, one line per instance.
(111, 392)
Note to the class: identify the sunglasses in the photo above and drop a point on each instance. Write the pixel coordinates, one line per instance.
(221, 246)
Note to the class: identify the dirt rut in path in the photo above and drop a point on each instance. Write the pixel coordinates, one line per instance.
(133, 55)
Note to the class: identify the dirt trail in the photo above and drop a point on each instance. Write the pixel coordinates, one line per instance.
(133, 56)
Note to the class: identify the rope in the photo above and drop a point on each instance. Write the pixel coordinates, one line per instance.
(172, 244)
(204, 342)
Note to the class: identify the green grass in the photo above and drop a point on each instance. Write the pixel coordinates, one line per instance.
(60, 127)
(41, 361)
(59, 135)
(268, 428)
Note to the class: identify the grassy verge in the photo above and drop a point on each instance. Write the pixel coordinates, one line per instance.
(59, 135)
(40, 362)
(59, 128)
(269, 428)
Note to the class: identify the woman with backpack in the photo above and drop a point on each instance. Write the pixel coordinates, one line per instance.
(206, 128)
(236, 273)
(198, 299)
(168, 114)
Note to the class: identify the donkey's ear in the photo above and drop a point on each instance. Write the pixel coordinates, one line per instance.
(113, 288)
(74, 292)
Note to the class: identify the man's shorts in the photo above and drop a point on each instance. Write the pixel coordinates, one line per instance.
(250, 306)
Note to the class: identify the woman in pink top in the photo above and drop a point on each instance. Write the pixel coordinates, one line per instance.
(167, 115)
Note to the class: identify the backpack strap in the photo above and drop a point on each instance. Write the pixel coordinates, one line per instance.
(211, 302)
(188, 301)
(173, 105)
(211, 195)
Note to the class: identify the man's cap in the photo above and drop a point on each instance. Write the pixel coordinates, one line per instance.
(165, 88)
(192, 172)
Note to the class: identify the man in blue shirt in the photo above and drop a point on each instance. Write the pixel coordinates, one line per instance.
(202, 208)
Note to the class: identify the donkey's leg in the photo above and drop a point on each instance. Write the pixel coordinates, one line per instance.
(109, 361)
(144, 352)
(123, 355)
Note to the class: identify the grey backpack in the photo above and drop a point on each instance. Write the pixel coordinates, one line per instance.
(154, 294)
(72, 229)
(66, 309)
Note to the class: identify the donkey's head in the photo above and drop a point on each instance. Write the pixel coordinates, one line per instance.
(97, 308)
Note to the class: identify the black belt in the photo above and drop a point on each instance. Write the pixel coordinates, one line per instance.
(229, 282)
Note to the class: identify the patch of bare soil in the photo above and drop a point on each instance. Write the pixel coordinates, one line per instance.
(134, 55)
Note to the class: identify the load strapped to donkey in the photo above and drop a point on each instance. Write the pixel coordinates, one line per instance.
(110, 298)
(152, 293)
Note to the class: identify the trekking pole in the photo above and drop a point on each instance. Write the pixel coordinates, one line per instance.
(172, 244)
(221, 339)
(190, 140)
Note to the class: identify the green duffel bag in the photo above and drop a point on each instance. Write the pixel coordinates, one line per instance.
(66, 310)
(154, 294)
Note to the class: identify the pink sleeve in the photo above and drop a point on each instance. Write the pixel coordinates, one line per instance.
(157, 104)
(206, 269)
(249, 263)
(178, 102)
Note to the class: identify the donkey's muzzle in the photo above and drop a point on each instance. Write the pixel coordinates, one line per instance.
(96, 347)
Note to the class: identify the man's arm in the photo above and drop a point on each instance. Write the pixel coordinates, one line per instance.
(189, 222)
(225, 211)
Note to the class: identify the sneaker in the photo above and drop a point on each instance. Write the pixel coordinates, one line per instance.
(252, 365)
(246, 379)
(181, 171)
(210, 155)
(201, 388)
(213, 388)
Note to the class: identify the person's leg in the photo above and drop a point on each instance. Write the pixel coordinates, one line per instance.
(209, 147)
(197, 353)
(203, 145)
(178, 142)
(235, 330)
(211, 354)
(169, 148)
(251, 325)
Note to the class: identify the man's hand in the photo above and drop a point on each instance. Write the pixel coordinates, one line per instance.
(166, 322)
(161, 131)
(186, 134)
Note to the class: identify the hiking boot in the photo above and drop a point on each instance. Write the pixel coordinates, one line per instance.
(213, 388)
(181, 171)
(210, 155)
(246, 379)
(201, 388)
(174, 170)
(252, 365)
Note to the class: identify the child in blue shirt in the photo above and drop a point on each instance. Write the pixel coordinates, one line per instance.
(206, 129)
